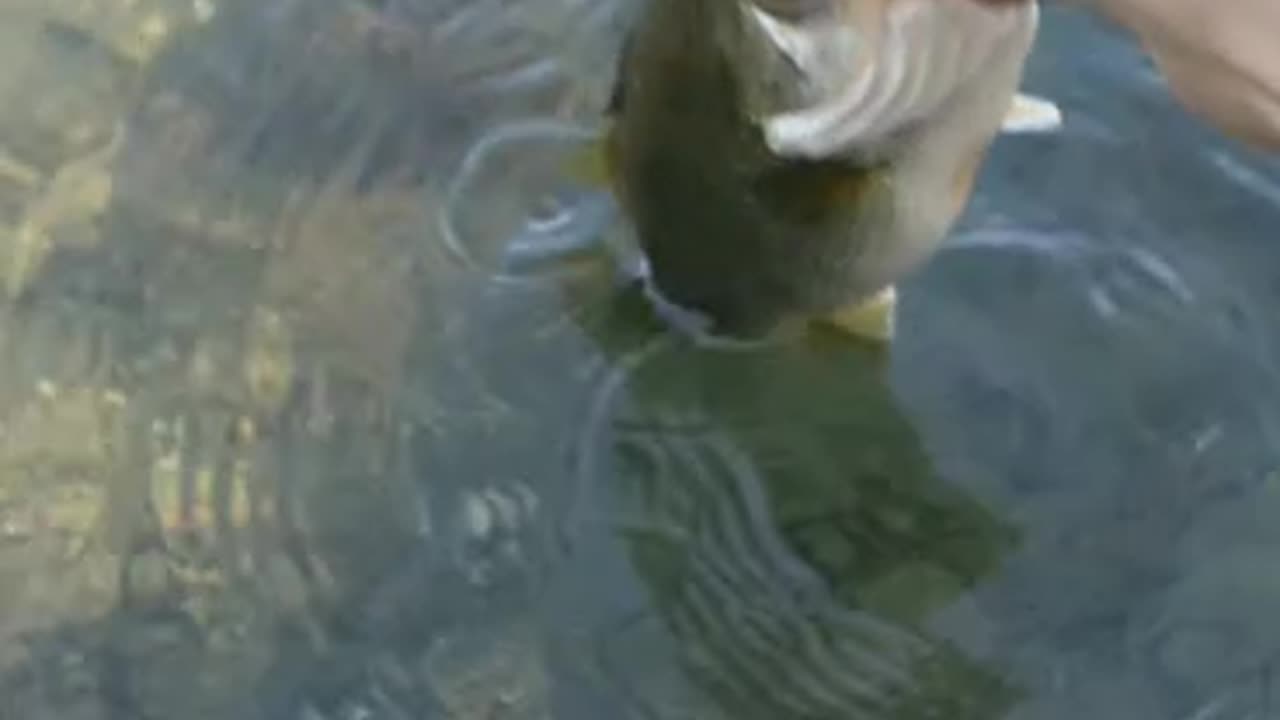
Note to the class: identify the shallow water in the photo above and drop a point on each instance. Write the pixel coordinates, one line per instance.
(322, 396)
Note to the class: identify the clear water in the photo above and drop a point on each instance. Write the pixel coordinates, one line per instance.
(322, 397)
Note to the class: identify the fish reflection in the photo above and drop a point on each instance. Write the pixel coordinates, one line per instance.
(786, 520)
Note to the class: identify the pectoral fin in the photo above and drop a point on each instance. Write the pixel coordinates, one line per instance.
(595, 164)
(1031, 114)
(871, 319)
(808, 191)
(589, 165)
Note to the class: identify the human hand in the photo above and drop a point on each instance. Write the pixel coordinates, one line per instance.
(1221, 59)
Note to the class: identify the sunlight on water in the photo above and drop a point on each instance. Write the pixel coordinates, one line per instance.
(327, 392)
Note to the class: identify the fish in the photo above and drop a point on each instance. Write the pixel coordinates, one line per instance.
(788, 162)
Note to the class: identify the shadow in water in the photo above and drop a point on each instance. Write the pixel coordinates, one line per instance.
(787, 526)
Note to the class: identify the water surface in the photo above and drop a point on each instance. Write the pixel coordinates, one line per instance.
(325, 394)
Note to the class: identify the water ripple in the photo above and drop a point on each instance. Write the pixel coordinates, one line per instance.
(1111, 275)
(514, 210)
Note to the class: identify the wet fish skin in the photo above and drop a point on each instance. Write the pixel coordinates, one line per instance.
(783, 161)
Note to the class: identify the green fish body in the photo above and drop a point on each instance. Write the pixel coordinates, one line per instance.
(792, 162)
